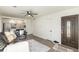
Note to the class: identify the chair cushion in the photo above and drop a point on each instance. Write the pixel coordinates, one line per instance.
(10, 36)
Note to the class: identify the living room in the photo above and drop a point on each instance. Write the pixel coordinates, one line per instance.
(36, 24)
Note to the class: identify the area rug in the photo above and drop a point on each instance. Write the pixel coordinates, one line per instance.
(36, 46)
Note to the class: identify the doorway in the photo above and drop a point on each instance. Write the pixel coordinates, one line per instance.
(69, 31)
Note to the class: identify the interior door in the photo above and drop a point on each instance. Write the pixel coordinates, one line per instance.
(69, 30)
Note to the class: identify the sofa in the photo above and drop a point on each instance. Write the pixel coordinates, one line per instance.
(3, 41)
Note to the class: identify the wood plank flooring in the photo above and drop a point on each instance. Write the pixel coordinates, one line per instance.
(48, 43)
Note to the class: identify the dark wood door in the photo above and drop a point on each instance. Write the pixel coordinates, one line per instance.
(69, 31)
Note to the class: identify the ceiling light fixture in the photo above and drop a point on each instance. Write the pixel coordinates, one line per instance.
(29, 15)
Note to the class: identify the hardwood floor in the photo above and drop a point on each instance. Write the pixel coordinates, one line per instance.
(41, 40)
(49, 43)
(64, 48)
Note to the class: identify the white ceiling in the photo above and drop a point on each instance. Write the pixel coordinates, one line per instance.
(41, 10)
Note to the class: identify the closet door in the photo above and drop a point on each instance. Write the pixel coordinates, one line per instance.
(69, 31)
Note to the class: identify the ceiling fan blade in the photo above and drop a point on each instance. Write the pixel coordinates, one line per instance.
(22, 13)
(34, 14)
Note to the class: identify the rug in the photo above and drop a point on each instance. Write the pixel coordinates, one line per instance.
(36, 46)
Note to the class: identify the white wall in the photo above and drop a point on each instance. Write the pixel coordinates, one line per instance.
(29, 26)
(43, 25)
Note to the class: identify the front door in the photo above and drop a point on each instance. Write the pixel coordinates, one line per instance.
(69, 30)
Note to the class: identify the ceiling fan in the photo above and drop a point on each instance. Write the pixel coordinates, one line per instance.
(29, 13)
